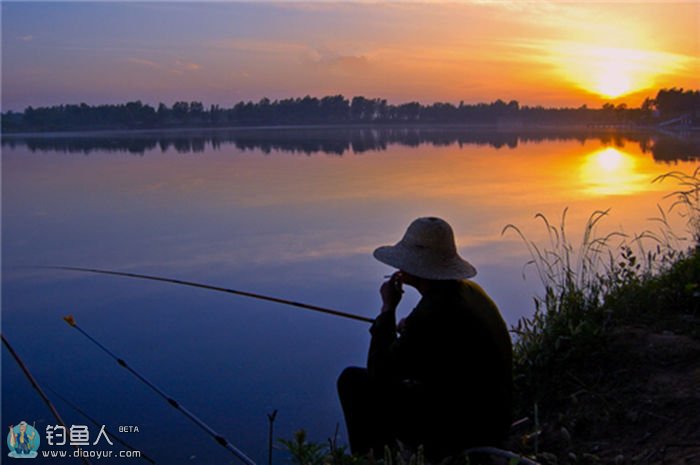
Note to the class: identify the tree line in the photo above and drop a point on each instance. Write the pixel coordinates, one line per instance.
(338, 110)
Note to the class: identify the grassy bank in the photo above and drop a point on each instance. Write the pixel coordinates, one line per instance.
(614, 381)
(605, 366)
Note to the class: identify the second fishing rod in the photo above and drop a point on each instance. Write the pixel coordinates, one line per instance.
(182, 282)
(222, 441)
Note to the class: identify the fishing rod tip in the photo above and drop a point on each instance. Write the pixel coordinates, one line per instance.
(70, 320)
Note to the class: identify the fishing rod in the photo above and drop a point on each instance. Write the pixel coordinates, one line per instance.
(40, 391)
(173, 403)
(182, 282)
(82, 413)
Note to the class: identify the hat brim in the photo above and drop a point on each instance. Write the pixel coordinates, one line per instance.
(424, 265)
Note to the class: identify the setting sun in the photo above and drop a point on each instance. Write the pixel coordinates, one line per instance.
(613, 82)
(615, 72)
(612, 72)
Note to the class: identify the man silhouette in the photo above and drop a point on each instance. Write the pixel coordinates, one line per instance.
(444, 380)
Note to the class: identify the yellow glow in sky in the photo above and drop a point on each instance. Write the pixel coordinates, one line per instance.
(611, 71)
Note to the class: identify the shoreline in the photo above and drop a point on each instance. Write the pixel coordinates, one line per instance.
(492, 128)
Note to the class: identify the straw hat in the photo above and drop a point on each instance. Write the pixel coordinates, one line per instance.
(428, 251)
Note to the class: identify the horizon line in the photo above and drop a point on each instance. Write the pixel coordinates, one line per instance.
(349, 99)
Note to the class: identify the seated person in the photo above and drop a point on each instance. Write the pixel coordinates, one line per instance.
(444, 380)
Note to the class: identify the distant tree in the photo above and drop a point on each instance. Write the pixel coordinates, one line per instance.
(673, 102)
(181, 111)
(336, 109)
(162, 114)
(196, 108)
(216, 115)
(408, 112)
(361, 110)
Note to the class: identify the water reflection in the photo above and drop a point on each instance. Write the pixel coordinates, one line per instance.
(342, 140)
(611, 171)
(299, 227)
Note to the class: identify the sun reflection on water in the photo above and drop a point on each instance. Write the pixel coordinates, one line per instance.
(611, 172)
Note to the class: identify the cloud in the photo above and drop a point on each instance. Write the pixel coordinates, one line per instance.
(261, 46)
(352, 61)
(149, 63)
(324, 57)
(26, 38)
(332, 59)
(177, 67)
(582, 54)
(187, 66)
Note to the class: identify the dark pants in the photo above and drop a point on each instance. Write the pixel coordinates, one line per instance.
(377, 415)
(369, 413)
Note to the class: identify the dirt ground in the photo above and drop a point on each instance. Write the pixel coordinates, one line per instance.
(638, 404)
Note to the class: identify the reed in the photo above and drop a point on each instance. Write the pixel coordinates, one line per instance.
(601, 283)
(568, 319)
(686, 199)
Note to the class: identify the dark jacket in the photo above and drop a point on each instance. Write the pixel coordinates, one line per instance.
(451, 364)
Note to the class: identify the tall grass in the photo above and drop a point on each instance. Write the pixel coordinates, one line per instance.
(600, 282)
(686, 200)
(568, 319)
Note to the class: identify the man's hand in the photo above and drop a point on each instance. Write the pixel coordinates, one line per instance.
(401, 326)
(391, 292)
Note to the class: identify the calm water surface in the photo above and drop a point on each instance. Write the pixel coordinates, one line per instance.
(290, 213)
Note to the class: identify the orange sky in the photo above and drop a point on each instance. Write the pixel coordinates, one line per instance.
(536, 52)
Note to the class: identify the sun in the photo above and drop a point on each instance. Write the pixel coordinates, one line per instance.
(613, 81)
(612, 72)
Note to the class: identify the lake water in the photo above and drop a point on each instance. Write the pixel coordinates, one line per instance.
(293, 213)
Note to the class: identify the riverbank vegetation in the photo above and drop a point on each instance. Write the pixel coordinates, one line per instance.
(606, 365)
(339, 110)
(607, 368)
